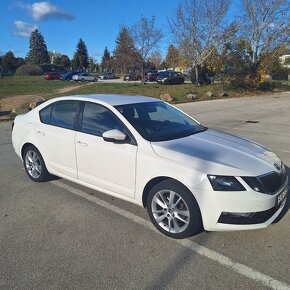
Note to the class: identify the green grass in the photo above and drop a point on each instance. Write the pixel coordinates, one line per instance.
(177, 92)
(29, 85)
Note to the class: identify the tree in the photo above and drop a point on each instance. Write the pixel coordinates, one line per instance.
(93, 65)
(266, 27)
(38, 53)
(146, 38)
(106, 63)
(8, 63)
(81, 58)
(62, 61)
(199, 28)
(172, 57)
(124, 54)
(155, 59)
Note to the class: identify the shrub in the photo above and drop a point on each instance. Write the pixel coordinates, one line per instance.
(29, 70)
(241, 82)
(272, 85)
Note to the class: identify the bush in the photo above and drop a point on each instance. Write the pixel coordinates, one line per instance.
(272, 85)
(29, 70)
(241, 82)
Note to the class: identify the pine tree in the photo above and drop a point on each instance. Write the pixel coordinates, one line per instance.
(124, 55)
(81, 58)
(38, 53)
(106, 60)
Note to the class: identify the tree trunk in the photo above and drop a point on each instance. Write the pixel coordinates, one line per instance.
(142, 73)
(196, 75)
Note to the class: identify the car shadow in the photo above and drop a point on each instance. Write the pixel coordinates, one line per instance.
(52, 178)
(287, 205)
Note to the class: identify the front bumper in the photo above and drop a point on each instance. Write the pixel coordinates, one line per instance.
(244, 210)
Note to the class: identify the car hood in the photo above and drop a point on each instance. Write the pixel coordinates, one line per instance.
(216, 152)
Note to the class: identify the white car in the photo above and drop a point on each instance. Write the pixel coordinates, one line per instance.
(84, 77)
(148, 152)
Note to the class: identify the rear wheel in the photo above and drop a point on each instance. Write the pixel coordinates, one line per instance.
(82, 80)
(173, 210)
(34, 164)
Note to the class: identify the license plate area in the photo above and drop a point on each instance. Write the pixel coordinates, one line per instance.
(281, 197)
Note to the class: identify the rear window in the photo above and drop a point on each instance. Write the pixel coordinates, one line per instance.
(60, 114)
(63, 114)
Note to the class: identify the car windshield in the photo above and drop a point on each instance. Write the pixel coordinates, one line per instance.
(157, 121)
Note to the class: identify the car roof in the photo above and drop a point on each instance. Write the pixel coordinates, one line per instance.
(113, 100)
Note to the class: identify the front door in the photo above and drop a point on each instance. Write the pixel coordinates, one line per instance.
(108, 165)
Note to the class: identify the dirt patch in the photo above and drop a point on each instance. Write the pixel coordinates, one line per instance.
(7, 104)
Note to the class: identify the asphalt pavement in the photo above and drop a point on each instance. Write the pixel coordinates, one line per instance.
(59, 235)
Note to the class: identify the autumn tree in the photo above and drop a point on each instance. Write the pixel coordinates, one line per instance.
(38, 53)
(80, 59)
(199, 28)
(172, 57)
(146, 38)
(124, 55)
(266, 27)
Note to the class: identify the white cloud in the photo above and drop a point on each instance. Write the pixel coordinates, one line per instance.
(44, 11)
(24, 29)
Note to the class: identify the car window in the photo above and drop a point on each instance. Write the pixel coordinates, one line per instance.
(64, 113)
(98, 119)
(44, 114)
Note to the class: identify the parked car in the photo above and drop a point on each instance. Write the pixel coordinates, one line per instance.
(133, 77)
(68, 75)
(151, 77)
(52, 76)
(84, 77)
(148, 152)
(107, 76)
(170, 78)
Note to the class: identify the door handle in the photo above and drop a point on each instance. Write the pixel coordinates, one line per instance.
(81, 143)
(40, 133)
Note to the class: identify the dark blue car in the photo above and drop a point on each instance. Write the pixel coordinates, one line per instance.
(68, 76)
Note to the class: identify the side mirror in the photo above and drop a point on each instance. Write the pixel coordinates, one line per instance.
(114, 135)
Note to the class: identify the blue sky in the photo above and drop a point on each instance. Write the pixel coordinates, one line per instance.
(63, 22)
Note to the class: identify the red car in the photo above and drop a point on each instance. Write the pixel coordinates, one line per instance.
(52, 76)
(151, 77)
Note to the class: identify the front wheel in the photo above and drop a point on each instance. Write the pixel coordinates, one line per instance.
(173, 210)
(34, 164)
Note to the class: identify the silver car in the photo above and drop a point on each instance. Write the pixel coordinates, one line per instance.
(107, 76)
(84, 77)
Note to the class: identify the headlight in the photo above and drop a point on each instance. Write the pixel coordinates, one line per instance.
(255, 184)
(225, 183)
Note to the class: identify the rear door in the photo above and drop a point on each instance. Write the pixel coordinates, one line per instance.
(56, 133)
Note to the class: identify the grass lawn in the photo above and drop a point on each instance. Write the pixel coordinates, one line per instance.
(177, 92)
(29, 85)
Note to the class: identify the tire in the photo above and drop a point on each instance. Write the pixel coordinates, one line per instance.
(164, 201)
(94, 80)
(34, 165)
(82, 80)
